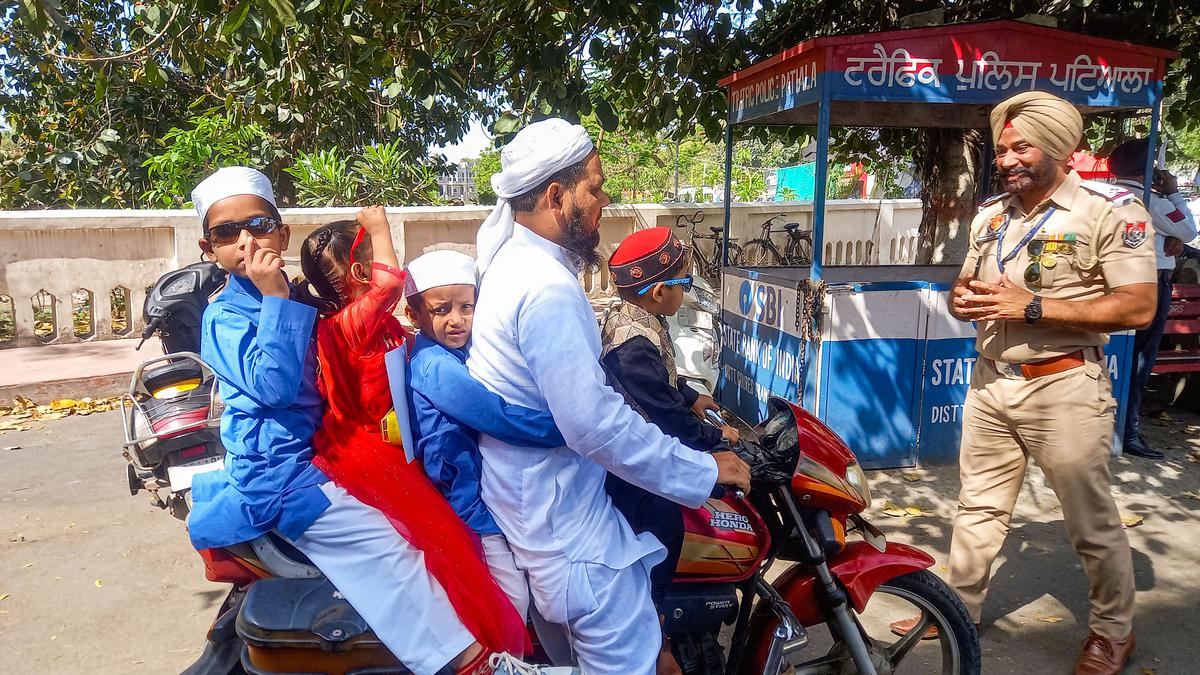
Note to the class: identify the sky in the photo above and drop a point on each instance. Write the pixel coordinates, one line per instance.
(476, 140)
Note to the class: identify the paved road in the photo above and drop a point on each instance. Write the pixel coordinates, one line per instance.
(97, 581)
(67, 522)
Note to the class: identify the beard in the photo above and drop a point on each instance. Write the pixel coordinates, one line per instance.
(1029, 178)
(579, 240)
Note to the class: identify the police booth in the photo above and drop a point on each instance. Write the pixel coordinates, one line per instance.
(872, 350)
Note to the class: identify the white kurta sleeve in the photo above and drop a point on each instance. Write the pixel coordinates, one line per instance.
(558, 336)
(1173, 219)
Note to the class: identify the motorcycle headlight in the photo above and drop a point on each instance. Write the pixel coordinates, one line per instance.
(857, 479)
(854, 484)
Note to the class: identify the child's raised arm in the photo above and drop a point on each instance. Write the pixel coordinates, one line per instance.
(375, 221)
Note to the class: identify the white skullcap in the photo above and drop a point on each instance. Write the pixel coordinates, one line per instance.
(230, 182)
(536, 153)
(439, 268)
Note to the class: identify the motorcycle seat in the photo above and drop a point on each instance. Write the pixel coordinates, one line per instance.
(305, 625)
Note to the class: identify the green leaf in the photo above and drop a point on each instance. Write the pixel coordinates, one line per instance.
(393, 90)
(606, 115)
(236, 18)
(311, 6)
(506, 124)
(358, 39)
(283, 11)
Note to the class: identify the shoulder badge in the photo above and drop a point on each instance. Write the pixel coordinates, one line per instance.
(1116, 194)
(992, 200)
(1134, 234)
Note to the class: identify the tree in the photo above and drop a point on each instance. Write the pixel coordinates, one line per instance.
(335, 73)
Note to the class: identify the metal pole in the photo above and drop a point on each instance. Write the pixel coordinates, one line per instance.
(728, 186)
(821, 177)
(1151, 148)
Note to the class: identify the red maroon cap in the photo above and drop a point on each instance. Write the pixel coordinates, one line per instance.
(644, 257)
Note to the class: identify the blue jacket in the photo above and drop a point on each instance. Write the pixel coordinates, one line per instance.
(261, 351)
(449, 408)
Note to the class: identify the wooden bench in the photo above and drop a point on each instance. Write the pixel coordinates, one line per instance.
(1179, 351)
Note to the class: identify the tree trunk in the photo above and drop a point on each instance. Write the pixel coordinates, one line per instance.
(949, 178)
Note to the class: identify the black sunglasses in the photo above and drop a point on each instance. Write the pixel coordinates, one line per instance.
(686, 282)
(258, 226)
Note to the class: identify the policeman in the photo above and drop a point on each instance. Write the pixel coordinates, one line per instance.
(1053, 265)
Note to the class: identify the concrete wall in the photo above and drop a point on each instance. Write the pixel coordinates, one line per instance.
(64, 260)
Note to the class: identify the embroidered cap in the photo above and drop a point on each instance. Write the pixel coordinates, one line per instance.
(439, 268)
(644, 257)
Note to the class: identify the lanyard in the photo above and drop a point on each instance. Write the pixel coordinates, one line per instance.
(1002, 259)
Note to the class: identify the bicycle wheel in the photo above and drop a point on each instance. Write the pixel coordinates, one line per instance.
(760, 253)
(801, 253)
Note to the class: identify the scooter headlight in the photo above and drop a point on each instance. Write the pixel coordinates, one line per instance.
(707, 300)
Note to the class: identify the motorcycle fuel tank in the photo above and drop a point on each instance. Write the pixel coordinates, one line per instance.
(724, 540)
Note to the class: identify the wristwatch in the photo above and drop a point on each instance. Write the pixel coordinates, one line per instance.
(1033, 311)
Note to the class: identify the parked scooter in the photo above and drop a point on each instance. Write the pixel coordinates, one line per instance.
(694, 335)
(282, 616)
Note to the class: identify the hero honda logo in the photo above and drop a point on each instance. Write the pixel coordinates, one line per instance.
(761, 303)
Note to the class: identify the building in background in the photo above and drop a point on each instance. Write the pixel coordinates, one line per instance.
(459, 185)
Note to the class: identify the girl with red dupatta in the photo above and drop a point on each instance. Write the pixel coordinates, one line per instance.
(357, 283)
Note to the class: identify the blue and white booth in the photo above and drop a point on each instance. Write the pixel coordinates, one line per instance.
(873, 350)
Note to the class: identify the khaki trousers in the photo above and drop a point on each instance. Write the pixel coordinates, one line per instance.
(1065, 423)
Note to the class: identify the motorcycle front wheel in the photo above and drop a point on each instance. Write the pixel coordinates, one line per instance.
(955, 650)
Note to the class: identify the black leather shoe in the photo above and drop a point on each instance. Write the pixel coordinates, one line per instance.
(1138, 448)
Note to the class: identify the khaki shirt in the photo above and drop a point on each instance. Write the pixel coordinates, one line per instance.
(1097, 238)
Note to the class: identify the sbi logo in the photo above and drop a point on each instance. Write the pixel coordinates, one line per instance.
(761, 303)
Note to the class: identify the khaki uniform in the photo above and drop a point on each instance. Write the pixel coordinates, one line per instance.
(1095, 238)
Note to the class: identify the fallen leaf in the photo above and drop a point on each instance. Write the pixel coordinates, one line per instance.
(893, 510)
(1149, 671)
(70, 525)
(914, 511)
(3, 596)
(1131, 520)
(28, 565)
(99, 583)
(912, 476)
(63, 404)
(1190, 494)
(1048, 618)
(12, 447)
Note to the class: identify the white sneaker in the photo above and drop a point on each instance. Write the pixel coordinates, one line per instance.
(507, 664)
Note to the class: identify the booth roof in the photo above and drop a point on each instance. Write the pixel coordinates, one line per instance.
(906, 78)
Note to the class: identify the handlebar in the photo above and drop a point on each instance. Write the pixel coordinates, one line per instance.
(694, 220)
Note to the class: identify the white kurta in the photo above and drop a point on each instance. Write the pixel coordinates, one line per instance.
(536, 343)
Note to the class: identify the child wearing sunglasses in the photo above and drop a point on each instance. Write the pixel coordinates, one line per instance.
(650, 271)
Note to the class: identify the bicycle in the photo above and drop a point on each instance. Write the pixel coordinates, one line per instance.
(708, 265)
(762, 252)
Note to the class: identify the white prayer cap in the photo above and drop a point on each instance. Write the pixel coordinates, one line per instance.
(439, 268)
(230, 182)
(536, 153)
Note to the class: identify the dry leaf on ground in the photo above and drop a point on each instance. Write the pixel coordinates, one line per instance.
(1048, 618)
(99, 583)
(1190, 494)
(912, 476)
(902, 511)
(1131, 520)
(3, 596)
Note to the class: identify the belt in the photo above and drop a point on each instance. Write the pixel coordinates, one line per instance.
(1037, 369)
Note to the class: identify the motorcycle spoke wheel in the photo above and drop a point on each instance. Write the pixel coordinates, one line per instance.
(916, 594)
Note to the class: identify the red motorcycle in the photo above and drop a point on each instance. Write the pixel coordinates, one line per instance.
(282, 616)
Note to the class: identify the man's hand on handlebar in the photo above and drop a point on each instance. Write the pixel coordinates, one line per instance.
(732, 471)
